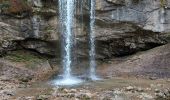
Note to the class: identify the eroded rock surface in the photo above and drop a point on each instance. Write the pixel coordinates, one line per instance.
(122, 27)
(152, 63)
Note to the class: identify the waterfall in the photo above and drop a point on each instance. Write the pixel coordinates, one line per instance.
(66, 15)
(92, 52)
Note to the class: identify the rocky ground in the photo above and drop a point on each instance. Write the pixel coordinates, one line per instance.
(124, 78)
(124, 30)
(112, 89)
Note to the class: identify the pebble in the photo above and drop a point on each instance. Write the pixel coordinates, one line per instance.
(9, 93)
(139, 89)
(73, 90)
(42, 97)
(66, 91)
(157, 90)
(168, 80)
(129, 88)
(84, 96)
(153, 78)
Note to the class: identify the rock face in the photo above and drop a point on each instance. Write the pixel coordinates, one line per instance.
(122, 27)
(149, 15)
(152, 63)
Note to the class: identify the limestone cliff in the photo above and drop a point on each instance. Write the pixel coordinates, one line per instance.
(122, 27)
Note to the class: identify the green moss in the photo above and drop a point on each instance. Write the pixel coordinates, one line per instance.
(48, 28)
(14, 7)
(24, 57)
(4, 5)
(163, 3)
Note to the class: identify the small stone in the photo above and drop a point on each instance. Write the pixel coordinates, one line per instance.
(159, 85)
(157, 90)
(148, 89)
(42, 97)
(139, 90)
(70, 95)
(30, 98)
(25, 79)
(153, 86)
(1, 88)
(117, 92)
(73, 90)
(129, 88)
(66, 91)
(85, 96)
(168, 80)
(22, 86)
(9, 93)
(4, 78)
(153, 78)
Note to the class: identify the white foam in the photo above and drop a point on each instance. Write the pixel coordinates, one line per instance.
(68, 81)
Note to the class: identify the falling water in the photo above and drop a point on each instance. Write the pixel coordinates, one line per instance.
(36, 25)
(66, 10)
(92, 52)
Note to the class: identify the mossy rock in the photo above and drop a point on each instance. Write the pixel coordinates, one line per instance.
(15, 6)
(25, 57)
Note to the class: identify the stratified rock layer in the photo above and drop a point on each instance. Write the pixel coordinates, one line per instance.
(122, 27)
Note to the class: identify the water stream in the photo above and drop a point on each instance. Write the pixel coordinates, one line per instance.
(92, 51)
(66, 10)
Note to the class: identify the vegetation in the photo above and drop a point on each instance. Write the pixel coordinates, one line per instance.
(4, 5)
(24, 57)
(163, 3)
(14, 6)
